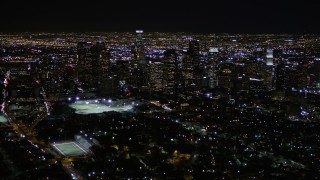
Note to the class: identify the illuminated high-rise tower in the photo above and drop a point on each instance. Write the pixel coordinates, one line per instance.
(139, 66)
(170, 71)
(194, 47)
(156, 76)
(139, 47)
(268, 74)
(315, 73)
(84, 64)
(269, 57)
(93, 64)
(194, 53)
(187, 68)
(212, 67)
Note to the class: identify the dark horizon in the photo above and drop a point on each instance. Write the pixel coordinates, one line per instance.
(145, 31)
(247, 17)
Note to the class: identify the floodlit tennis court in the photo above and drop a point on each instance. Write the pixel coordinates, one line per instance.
(69, 149)
(90, 107)
(3, 119)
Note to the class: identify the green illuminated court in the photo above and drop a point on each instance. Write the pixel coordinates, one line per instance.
(3, 119)
(92, 107)
(69, 149)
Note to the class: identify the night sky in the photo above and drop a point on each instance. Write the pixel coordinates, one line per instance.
(228, 16)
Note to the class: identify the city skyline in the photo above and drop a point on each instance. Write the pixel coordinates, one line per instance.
(159, 90)
(146, 105)
(163, 16)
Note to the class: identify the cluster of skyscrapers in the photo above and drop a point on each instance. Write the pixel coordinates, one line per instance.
(179, 69)
(159, 105)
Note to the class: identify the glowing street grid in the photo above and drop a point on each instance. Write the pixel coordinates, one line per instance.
(3, 119)
(91, 107)
(69, 149)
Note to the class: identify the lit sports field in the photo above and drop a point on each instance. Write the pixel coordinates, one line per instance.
(3, 119)
(69, 149)
(89, 107)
